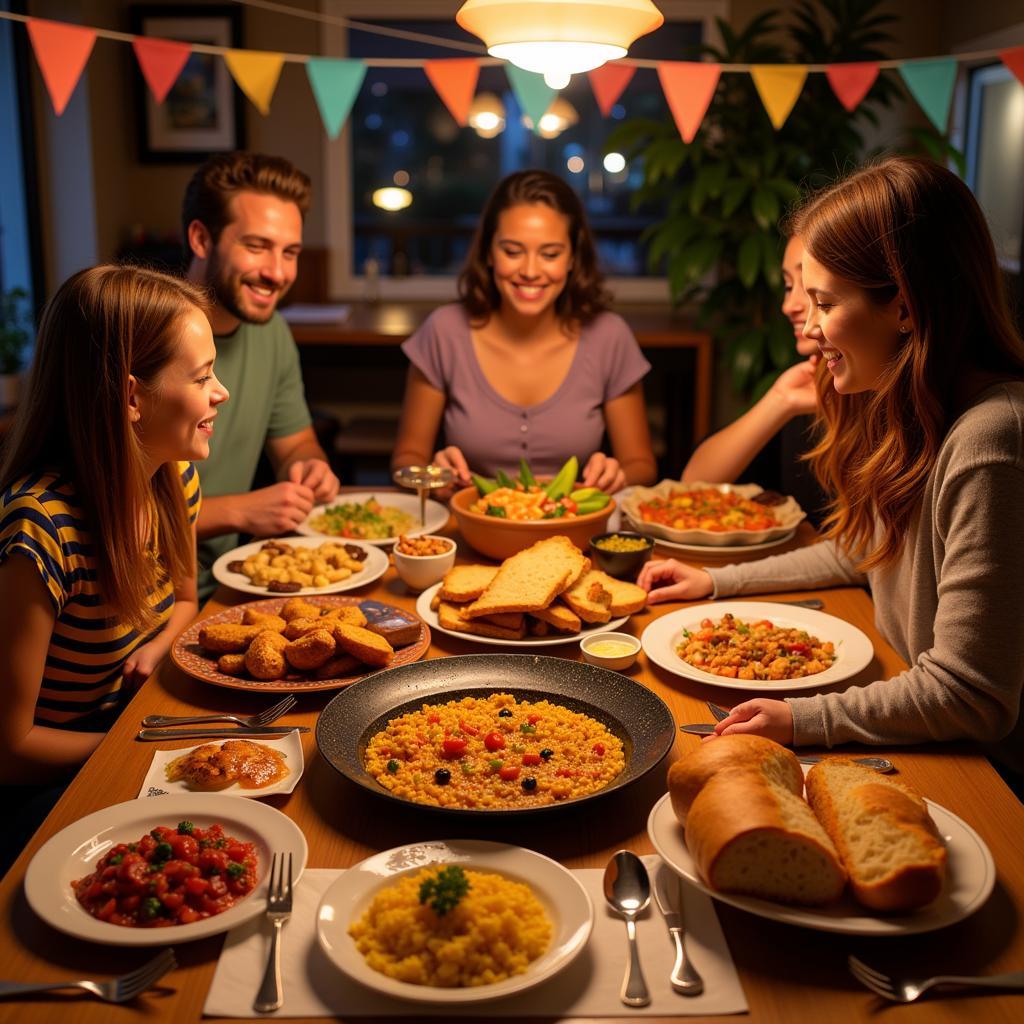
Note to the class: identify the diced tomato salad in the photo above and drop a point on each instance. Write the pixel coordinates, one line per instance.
(170, 876)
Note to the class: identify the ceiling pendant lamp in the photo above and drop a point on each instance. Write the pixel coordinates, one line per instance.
(558, 38)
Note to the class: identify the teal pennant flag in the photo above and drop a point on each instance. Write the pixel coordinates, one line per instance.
(335, 85)
(931, 83)
(532, 93)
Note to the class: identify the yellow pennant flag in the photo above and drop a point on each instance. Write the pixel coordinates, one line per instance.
(779, 86)
(256, 72)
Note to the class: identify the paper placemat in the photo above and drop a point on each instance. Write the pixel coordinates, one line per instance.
(589, 987)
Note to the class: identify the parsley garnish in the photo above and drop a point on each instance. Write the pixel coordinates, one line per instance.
(445, 889)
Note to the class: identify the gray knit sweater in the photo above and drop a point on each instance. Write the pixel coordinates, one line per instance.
(952, 605)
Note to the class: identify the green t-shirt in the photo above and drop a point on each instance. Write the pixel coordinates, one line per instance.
(259, 365)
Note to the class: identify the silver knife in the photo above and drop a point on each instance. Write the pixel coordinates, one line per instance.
(698, 728)
(227, 732)
(669, 896)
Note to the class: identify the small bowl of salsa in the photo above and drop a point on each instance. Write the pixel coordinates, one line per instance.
(621, 553)
(616, 651)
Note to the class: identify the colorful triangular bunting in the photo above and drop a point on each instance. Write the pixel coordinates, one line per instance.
(609, 81)
(931, 84)
(335, 85)
(688, 87)
(160, 61)
(779, 87)
(455, 82)
(532, 93)
(61, 51)
(851, 82)
(1014, 60)
(256, 72)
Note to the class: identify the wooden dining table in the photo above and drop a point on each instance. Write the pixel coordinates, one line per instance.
(789, 974)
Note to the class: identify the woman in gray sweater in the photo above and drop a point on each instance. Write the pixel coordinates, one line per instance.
(923, 448)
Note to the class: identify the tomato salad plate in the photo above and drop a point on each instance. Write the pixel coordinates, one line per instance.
(75, 852)
(376, 517)
(971, 878)
(798, 637)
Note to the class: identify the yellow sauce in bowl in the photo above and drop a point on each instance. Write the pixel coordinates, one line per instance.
(610, 649)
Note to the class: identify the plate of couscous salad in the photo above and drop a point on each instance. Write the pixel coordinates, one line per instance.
(373, 518)
(495, 734)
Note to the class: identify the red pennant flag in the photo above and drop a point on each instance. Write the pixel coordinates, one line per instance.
(1014, 60)
(455, 82)
(688, 87)
(62, 51)
(161, 61)
(850, 82)
(609, 82)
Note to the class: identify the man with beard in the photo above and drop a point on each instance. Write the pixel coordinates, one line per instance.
(242, 218)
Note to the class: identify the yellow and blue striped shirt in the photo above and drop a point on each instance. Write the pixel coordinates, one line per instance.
(41, 519)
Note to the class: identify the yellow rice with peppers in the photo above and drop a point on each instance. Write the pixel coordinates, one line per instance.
(494, 753)
(497, 929)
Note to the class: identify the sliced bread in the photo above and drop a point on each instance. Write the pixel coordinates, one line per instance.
(449, 616)
(563, 618)
(465, 583)
(589, 598)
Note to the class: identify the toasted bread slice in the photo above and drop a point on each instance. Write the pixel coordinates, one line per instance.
(589, 598)
(507, 620)
(465, 583)
(626, 597)
(536, 627)
(531, 579)
(563, 618)
(449, 616)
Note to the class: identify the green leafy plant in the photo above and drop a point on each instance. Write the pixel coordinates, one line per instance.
(727, 191)
(15, 330)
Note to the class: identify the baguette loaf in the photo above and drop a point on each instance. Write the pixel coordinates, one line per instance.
(748, 828)
(886, 839)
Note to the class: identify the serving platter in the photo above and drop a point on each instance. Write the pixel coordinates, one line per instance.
(854, 650)
(631, 711)
(436, 515)
(192, 659)
(971, 878)
(563, 897)
(717, 549)
(429, 616)
(72, 853)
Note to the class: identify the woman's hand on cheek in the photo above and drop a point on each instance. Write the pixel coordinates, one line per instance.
(771, 719)
(603, 472)
(669, 580)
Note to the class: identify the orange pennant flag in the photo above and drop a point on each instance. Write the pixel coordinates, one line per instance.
(256, 72)
(609, 82)
(62, 51)
(1014, 60)
(850, 82)
(779, 87)
(455, 82)
(688, 86)
(160, 61)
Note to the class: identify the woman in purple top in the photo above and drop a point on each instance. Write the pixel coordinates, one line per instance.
(529, 364)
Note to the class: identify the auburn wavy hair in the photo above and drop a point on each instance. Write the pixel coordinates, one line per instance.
(904, 226)
(101, 326)
(584, 295)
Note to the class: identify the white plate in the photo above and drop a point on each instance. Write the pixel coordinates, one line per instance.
(853, 649)
(437, 514)
(721, 549)
(374, 567)
(559, 891)
(155, 783)
(73, 852)
(971, 878)
(424, 611)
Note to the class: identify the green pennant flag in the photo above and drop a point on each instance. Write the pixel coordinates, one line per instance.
(931, 84)
(335, 85)
(532, 93)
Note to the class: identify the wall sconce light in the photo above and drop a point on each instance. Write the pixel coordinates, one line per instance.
(559, 116)
(392, 199)
(487, 115)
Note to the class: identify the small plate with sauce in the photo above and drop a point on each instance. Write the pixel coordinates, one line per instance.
(156, 782)
(615, 651)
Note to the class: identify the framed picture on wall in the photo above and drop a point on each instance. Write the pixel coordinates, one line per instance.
(203, 112)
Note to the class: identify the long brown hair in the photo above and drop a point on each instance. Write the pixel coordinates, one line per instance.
(910, 227)
(584, 295)
(101, 326)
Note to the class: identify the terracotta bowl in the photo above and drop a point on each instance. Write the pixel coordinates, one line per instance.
(500, 538)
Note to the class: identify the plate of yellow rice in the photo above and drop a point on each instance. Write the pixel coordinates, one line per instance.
(454, 921)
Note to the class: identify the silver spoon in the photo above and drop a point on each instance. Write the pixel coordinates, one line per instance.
(627, 888)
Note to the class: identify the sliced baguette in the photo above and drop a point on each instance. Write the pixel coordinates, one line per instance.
(885, 837)
(450, 616)
(589, 599)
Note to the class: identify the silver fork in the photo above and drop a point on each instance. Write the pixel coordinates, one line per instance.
(906, 990)
(879, 764)
(272, 714)
(115, 990)
(279, 909)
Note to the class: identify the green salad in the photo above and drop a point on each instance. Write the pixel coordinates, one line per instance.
(369, 520)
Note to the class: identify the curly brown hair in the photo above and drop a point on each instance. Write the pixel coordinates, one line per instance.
(216, 182)
(584, 295)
